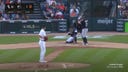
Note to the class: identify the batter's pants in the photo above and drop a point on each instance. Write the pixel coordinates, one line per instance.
(84, 34)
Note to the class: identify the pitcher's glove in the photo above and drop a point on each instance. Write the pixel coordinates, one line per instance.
(45, 38)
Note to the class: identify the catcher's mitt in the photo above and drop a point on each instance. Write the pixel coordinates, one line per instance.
(45, 38)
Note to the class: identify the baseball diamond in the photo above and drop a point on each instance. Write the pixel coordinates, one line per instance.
(23, 57)
(63, 35)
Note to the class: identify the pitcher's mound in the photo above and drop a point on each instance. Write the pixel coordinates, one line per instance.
(41, 66)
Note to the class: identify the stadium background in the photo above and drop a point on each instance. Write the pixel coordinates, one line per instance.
(103, 15)
(101, 54)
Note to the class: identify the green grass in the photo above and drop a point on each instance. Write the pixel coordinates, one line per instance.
(23, 39)
(98, 58)
(17, 39)
(28, 39)
(21, 55)
(115, 38)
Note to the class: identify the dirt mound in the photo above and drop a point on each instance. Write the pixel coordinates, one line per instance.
(41, 66)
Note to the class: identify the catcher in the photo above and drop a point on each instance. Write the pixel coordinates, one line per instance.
(73, 35)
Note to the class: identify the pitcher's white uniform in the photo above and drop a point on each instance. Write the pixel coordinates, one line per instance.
(42, 45)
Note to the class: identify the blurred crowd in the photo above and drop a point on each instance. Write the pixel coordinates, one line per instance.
(59, 9)
(123, 9)
(10, 16)
(51, 9)
(54, 9)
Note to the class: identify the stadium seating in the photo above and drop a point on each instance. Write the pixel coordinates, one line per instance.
(37, 14)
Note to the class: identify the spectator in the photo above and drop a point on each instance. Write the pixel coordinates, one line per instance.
(47, 11)
(125, 14)
(6, 16)
(1, 17)
(74, 12)
(126, 6)
(123, 9)
(7, 1)
(50, 2)
(123, 1)
(12, 16)
(18, 1)
(12, 1)
(2, 6)
(59, 15)
(61, 7)
(53, 7)
(17, 17)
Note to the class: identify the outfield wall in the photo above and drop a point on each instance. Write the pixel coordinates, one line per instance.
(122, 25)
(32, 26)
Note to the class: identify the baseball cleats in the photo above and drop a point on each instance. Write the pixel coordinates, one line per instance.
(85, 44)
